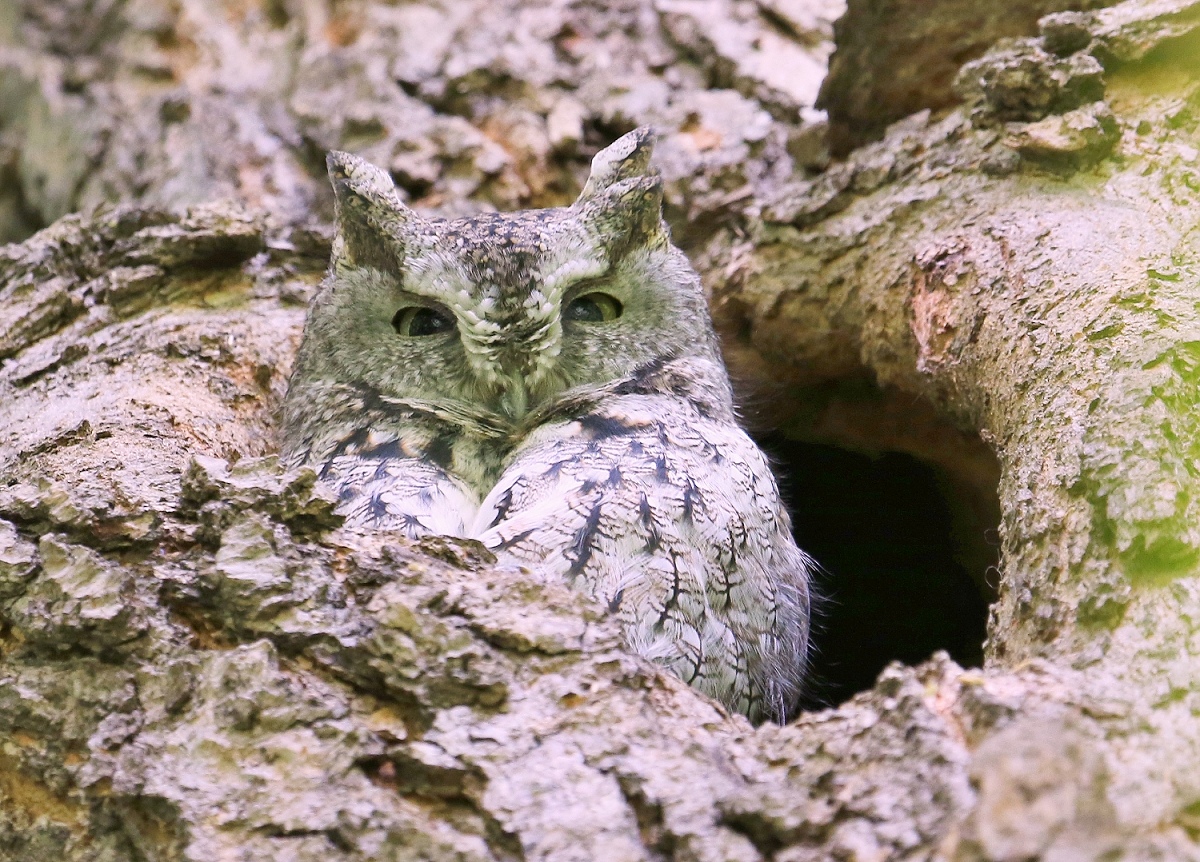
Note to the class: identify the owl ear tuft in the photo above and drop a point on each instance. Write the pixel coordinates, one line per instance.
(371, 219)
(626, 157)
(627, 215)
(622, 201)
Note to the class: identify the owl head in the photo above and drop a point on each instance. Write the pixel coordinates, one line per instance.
(503, 311)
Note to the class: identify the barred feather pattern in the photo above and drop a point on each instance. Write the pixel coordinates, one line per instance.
(645, 494)
(388, 460)
(663, 509)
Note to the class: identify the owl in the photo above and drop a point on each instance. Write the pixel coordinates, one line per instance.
(548, 383)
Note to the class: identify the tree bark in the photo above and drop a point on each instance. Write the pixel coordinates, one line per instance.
(198, 662)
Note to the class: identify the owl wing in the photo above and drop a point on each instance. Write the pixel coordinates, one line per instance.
(387, 459)
(404, 494)
(674, 521)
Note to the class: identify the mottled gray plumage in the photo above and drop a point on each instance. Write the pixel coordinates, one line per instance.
(548, 382)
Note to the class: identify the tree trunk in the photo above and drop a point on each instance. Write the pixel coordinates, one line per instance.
(197, 662)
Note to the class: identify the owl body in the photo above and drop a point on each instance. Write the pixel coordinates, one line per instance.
(548, 382)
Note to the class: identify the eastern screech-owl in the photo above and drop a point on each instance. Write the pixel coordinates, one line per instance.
(548, 382)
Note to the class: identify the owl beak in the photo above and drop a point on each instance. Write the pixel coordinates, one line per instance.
(514, 403)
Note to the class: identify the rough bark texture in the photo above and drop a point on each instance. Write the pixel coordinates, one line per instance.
(897, 57)
(197, 662)
(471, 105)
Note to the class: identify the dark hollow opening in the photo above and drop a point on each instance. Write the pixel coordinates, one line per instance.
(906, 562)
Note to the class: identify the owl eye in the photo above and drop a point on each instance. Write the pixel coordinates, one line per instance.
(418, 321)
(593, 308)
